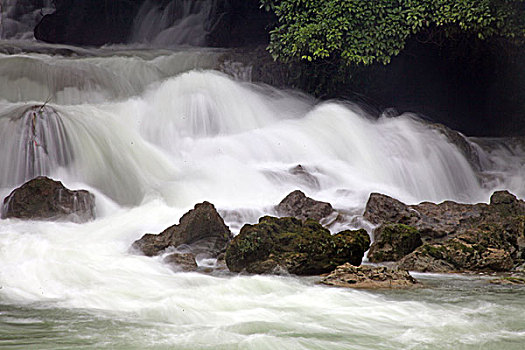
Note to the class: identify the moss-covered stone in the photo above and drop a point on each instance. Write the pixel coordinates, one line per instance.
(394, 241)
(459, 237)
(457, 255)
(302, 248)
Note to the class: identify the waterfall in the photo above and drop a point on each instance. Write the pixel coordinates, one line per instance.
(153, 132)
(18, 18)
(35, 143)
(183, 22)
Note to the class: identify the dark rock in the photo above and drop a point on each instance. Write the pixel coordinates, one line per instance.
(457, 237)
(229, 23)
(483, 249)
(202, 229)
(47, 199)
(393, 241)
(296, 204)
(182, 261)
(302, 248)
(88, 22)
(369, 277)
(381, 208)
(507, 204)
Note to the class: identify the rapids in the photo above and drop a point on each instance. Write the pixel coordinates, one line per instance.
(153, 132)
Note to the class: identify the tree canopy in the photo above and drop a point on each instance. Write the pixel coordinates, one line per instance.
(368, 31)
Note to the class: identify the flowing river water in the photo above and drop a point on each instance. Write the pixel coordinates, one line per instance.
(153, 132)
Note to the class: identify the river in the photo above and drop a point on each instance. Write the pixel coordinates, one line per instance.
(152, 132)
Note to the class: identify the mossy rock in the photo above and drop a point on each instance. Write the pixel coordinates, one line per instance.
(302, 248)
(393, 242)
(456, 255)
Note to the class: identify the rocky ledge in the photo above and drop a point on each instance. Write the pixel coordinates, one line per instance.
(369, 277)
(449, 237)
(45, 199)
(289, 244)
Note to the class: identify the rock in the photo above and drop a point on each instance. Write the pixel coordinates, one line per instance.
(302, 248)
(509, 280)
(457, 237)
(370, 277)
(296, 204)
(88, 22)
(476, 250)
(228, 23)
(507, 204)
(461, 142)
(393, 241)
(181, 261)
(305, 177)
(47, 199)
(381, 208)
(202, 229)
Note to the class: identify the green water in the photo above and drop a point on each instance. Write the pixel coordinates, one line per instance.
(456, 312)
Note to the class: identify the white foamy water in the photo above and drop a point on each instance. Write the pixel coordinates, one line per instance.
(151, 135)
(184, 22)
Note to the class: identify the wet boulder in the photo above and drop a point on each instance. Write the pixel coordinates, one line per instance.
(381, 208)
(369, 277)
(455, 237)
(201, 230)
(393, 241)
(298, 205)
(289, 244)
(484, 248)
(45, 199)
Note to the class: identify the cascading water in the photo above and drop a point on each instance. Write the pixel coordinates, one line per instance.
(184, 22)
(18, 18)
(35, 143)
(151, 133)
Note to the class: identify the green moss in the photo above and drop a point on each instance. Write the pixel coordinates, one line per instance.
(434, 250)
(457, 245)
(303, 248)
(393, 242)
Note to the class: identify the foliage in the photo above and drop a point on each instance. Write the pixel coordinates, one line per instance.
(368, 31)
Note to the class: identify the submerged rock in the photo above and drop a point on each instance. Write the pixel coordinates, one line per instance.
(370, 277)
(181, 261)
(302, 248)
(454, 236)
(47, 199)
(510, 280)
(202, 229)
(298, 205)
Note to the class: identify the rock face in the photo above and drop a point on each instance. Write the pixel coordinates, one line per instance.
(46, 199)
(228, 23)
(302, 248)
(370, 277)
(455, 237)
(393, 241)
(88, 22)
(202, 229)
(296, 204)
